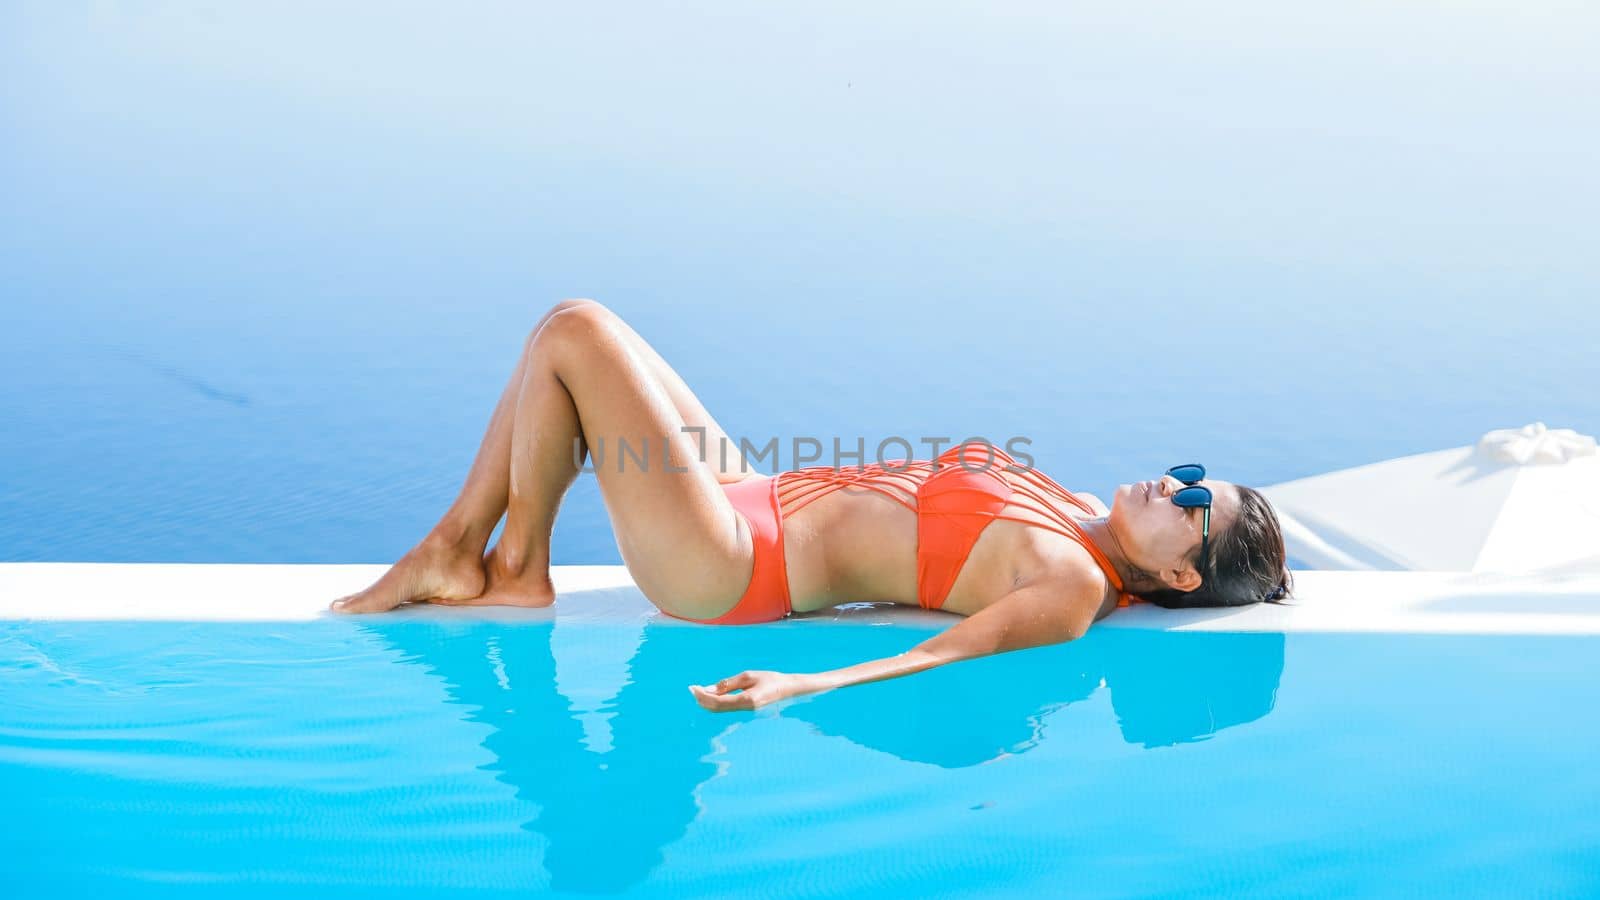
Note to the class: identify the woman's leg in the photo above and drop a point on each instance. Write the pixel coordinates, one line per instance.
(591, 383)
(517, 570)
(446, 564)
(633, 394)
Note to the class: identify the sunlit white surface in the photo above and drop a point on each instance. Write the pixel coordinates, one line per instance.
(1425, 602)
(1525, 506)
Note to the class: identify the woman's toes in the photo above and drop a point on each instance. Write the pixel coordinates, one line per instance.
(427, 572)
(345, 603)
(364, 602)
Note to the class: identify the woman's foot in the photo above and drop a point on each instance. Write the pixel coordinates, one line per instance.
(434, 571)
(508, 586)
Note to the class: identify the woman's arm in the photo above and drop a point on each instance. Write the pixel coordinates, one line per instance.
(1044, 612)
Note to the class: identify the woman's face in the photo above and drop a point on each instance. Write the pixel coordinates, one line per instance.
(1162, 537)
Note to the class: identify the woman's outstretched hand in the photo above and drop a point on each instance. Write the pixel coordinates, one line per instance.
(756, 689)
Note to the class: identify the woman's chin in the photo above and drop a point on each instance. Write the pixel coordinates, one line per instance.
(1119, 497)
(1117, 511)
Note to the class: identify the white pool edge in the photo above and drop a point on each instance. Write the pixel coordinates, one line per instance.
(1327, 601)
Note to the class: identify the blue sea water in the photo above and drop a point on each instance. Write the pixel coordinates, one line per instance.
(264, 270)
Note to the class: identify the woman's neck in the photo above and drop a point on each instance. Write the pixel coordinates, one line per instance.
(1105, 539)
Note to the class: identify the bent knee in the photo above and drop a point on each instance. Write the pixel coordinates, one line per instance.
(580, 327)
(566, 306)
(574, 303)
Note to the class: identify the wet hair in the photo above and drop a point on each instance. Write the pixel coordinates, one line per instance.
(1248, 563)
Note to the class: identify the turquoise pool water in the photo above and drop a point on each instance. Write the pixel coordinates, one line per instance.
(360, 759)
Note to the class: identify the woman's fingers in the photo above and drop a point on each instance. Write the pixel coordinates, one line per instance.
(718, 701)
(757, 689)
(729, 702)
(706, 698)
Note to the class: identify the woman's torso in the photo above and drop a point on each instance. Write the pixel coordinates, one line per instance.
(853, 543)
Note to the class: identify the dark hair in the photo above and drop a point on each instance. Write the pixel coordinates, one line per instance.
(1248, 562)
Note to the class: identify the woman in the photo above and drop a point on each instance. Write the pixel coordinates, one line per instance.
(1025, 561)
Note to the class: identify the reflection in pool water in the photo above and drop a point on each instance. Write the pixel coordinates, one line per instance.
(607, 816)
(436, 754)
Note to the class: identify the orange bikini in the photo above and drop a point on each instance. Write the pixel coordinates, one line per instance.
(955, 497)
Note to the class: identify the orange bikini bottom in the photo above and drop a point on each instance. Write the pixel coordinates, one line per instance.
(766, 599)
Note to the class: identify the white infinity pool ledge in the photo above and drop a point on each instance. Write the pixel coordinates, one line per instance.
(1432, 602)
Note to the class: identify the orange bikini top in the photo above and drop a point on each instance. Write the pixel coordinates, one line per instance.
(955, 497)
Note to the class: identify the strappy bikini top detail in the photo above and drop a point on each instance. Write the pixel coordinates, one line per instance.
(955, 497)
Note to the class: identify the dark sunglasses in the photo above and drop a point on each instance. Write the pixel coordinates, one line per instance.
(1195, 496)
